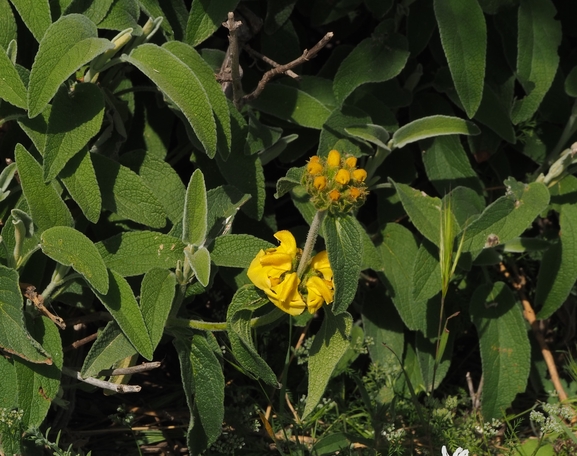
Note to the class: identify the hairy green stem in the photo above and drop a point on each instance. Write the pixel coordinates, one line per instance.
(311, 239)
(255, 322)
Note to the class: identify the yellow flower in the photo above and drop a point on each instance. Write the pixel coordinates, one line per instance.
(334, 159)
(343, 177)
(319, 289)
(359, 175)
(354, 192)
(320, 263)
(268, 266)
(320, 182)
(351, 162)
(319, 292)
(334, 195)
(286, 295)
(314, 168)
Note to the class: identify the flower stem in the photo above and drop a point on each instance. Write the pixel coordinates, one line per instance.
(311, 239)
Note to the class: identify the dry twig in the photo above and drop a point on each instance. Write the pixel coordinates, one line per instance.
(38, 301)
(518, 282)
(306, 56)
(117, 388)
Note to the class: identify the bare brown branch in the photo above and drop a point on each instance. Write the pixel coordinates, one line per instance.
(306, 56)
(38, 301)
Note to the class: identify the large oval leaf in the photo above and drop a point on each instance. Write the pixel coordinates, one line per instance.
(35, 14)
(46, 206)
(464, 38)
(11, 86)
(122, 305)
(375, 59)
(75, 117)
(70, 247)
(69, 43)
(205, 17)
(505, 348)
(537, 58)
(428, 127)
(195, 210)
(181, 85)
(345, 249)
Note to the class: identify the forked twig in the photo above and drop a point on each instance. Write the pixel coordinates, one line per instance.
(280, 69)
(117, 388)
(38, 301)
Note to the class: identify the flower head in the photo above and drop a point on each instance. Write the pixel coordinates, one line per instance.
(335, 183)
(274, 272)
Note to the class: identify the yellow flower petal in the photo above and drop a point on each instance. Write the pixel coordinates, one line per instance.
(318, 293)
(257, 273)
(351, 162)
(288, 244)
(320, 263)
(286, 295)
(320, 182)
(359, 175)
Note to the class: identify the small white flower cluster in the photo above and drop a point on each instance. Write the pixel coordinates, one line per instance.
(458, 452)
(392, 435)
(11, 417)
(556, 414)
(490, 429)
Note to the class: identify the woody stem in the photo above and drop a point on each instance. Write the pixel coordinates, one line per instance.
(311, 239)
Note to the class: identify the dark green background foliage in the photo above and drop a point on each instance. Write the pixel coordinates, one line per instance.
(145, 186)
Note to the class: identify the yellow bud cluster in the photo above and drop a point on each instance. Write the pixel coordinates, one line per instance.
(335, 183)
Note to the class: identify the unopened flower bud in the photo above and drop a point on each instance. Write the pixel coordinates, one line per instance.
(320, 182)
(334, 195)
(314, 168)
(343, 177)
(334, 159)
(359, 175)
(351, 162)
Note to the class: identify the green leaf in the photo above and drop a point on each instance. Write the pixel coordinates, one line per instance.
(159, 177)
(345, 249)
(182, 86)
(122, 305)
(423, 210)
(76, 116)
(570, 83)
(277, 13)
(371, 257)
(124, 193)
(505, 348)
(200, 263)
(399, 251)
(426, 353)
(14, 338)
(35, 14)
(223, 203)
(8, 399)
(36, 128)
(122, 15)
(7, 25)
(375, 59)
(292, 104)
(137, 252)
(426, 272)
(205, 17)
(216, 96)
(375, 134)
(95, 11)
(291, 180)
(38, 384)
(156, 294)
(69, 43)
(79, 178)
(245, 172)
(506, 218)
(464, 38)
(12, 88)
(558, 270)
(245, 301)
(539, 36)
(195, 210)
(448, 166)
(427, 127)
(383, 325)
(328, 347)
(193, 355)
(209, 388)
(70, 247)
(110, 346)
(46, 206)
(335, 136)
(237, 250)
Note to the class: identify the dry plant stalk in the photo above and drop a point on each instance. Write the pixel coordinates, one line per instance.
(518, 283)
